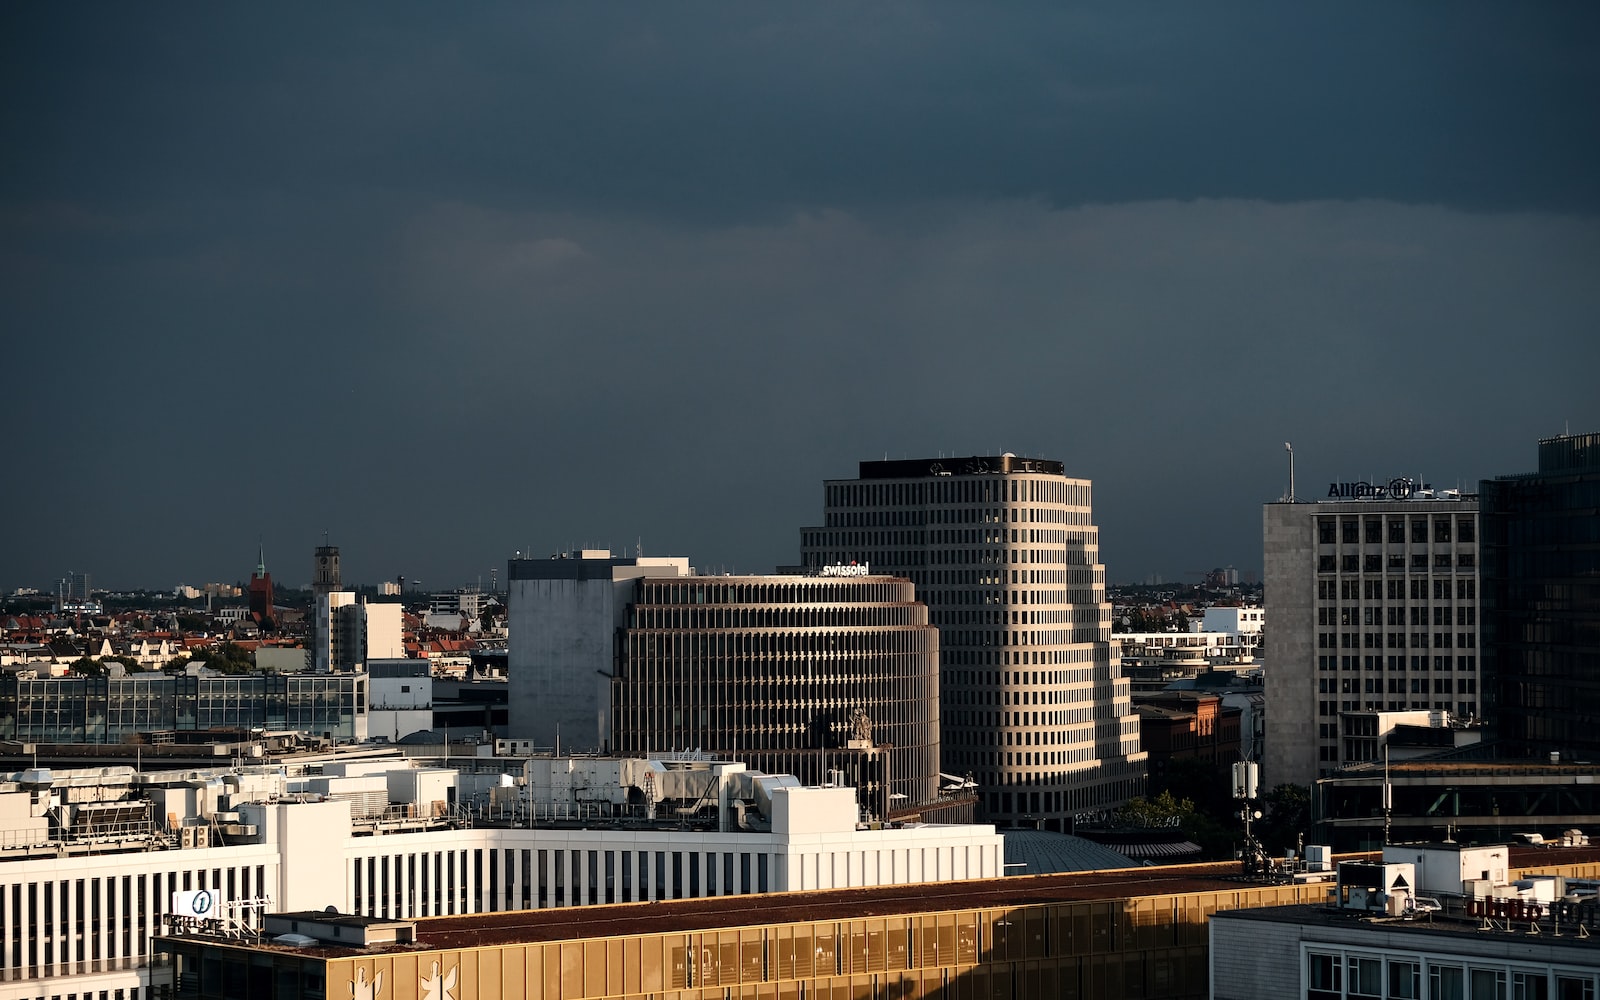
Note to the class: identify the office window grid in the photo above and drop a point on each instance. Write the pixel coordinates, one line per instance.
(99, 921)
(753, 665)
(113, 709)
(1388, 570)
(1034, 703)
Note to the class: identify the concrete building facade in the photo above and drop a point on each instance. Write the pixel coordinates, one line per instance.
(780, 670)
(328, 645)
(781, 667)
(564, 614)
(1005, 553)
(1373, 604)
(347, 631)
(401, 698)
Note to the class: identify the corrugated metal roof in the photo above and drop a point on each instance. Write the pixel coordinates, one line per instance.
(1043, 852)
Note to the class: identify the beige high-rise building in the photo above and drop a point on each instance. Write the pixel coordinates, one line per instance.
(1371, 599)
(1005, 553)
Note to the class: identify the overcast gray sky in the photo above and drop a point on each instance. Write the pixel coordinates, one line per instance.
(448, 282)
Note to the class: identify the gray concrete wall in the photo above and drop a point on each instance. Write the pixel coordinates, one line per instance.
(1290, 644)
(1254, 959)
(563, 615)
(561, 643)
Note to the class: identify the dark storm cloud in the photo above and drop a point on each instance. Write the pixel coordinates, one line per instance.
(1163, 348)
(451, 285)
(736, 108)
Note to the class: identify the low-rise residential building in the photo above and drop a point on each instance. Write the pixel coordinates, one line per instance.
(1186, 725)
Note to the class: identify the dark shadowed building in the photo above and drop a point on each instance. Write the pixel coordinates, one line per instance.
(1541, 551)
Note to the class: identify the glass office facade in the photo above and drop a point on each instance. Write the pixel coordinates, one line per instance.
(1541, 553)
(112, 709)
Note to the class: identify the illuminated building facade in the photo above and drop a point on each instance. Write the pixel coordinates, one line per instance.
(1373, 602)
(1005, 553)
(773, 669)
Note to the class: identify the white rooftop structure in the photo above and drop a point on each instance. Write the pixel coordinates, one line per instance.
(397, 839)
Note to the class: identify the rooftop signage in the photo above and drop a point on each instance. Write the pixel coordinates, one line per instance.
(854, 569)
(201, 904)
(1395, 489)
(975, 465)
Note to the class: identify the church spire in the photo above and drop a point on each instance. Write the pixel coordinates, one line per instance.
(261, 559)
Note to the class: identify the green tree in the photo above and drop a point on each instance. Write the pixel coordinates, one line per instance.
(1287, 817)
(227, 658)
(1163, 810)
(83, 666)
(1208, 783)
(1214, 838)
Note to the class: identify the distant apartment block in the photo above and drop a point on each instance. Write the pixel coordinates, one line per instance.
(460, 610)
(76, 587)
(1223, 638)
(345, 632)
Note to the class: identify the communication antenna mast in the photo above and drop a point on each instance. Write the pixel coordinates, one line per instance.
(1388, 794)
(1290, 449)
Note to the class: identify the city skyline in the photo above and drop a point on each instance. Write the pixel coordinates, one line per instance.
(452, 284)
(292, 568)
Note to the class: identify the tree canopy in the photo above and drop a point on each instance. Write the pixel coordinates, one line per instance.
(1287, 817)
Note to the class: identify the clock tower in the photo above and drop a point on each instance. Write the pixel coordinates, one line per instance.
(325, 570)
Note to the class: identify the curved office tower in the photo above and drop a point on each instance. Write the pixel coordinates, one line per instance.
(779, 671)
(1005, 553)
